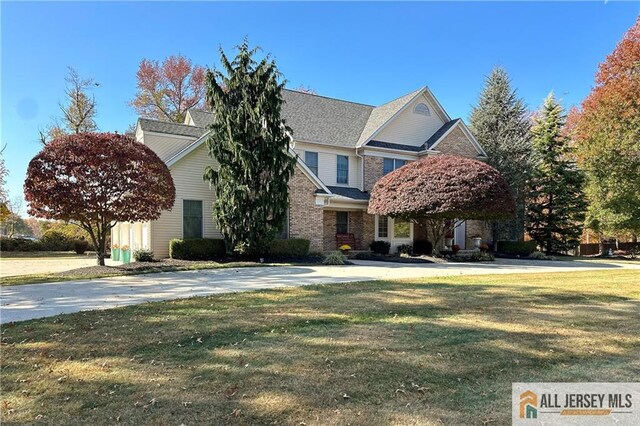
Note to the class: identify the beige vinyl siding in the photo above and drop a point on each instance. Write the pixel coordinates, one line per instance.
(187, 178)
(166, 146)
(328, 162)
(410, 128)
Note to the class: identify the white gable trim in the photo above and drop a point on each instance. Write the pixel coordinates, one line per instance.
(445, 117)
(308, 173)
(393, 117)
(187, 150)
(426, 92)
(466, 132)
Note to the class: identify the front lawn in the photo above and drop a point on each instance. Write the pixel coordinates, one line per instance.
(404, 352)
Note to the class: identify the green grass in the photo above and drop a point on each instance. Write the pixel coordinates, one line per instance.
(436, 350)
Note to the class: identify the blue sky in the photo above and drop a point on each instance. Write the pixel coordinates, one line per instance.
(365, 52)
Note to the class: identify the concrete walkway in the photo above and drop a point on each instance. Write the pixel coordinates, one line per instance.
(18, 303)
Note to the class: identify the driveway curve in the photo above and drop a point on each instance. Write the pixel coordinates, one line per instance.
(23, 302)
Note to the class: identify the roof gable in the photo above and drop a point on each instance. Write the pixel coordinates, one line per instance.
(431, 144)
(382, 114)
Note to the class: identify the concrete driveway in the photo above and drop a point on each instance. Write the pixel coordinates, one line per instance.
(49, 299)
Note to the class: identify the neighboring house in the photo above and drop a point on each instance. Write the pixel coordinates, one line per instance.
(343, 148)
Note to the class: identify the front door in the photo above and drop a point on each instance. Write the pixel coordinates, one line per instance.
(460, 234)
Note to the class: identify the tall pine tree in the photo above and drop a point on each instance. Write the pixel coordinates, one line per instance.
(556, 207)
(501, 125)
(250, 142)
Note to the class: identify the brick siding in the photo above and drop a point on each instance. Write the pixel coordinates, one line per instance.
(456, 143)
(305, 218)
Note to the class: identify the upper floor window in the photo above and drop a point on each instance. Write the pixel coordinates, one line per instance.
(311, 160)
(342, 171)
(422, 109)
(191, 219)
(390, 164)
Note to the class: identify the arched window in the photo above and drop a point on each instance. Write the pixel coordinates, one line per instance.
(422, 109)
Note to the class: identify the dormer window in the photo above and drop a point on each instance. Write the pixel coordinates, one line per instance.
(422, 109)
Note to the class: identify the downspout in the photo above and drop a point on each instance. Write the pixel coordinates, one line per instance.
(361, 169)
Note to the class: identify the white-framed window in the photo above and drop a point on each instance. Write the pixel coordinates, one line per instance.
(422, 109)
(390, 164)
(393, 229)
(383, 227)
(311, 160)
(342, 170)
(401, 228)
(192, 225)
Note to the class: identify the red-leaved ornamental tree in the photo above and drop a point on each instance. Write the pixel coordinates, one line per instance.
(167, 90)
(95, 180)
(439, 188)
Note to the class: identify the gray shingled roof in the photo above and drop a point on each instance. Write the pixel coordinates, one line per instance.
(380, 115)
(149, 125)
(352, 193)
(201, 118)
(401, 147)
(312, 118)
(323, 120)
(438, 134)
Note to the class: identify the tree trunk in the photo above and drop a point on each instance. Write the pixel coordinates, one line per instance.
(101, 247)
(601, 244)
(435, 227)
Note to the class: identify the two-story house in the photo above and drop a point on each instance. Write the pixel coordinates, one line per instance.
(342, 148)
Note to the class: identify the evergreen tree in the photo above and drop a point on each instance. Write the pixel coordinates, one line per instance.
(556, 208)
(501, 125)
(250, 142)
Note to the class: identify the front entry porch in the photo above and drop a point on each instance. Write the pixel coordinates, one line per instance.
(352, 227)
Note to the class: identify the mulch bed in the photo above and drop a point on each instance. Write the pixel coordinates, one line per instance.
(391, 258)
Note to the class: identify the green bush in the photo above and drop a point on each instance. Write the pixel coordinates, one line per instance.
(423, 247)
(18, 244)
(81, 246)
(406, 249)
(538, 255)
(143, 255)
(54, 240)
(380, 247)
(197, 249)
(476, 256)
(295, 247)
(520, 248)
(335, 258)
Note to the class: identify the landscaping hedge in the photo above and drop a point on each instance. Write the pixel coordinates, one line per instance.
(380, 247)
(294, 247)
(522, 248)
(197, 249)
(18, 244)
(423, 247)
(51, 241)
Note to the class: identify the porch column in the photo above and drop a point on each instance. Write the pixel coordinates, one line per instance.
(115, 235)
(138, 243)
(125, 234)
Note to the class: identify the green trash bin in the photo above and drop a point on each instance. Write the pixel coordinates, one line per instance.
(126, 255)
(115, 254)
